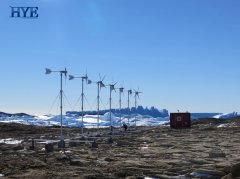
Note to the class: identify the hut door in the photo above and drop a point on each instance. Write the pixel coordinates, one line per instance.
(179, 122)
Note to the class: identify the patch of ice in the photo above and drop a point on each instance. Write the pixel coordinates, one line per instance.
(200, 174)
(10, 141)
(226, 115)
(221, 125)
(67, 151)
(180, 177)
(144, 148)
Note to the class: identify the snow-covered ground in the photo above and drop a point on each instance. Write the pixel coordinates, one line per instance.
(10, 141)
(92, 120)
(227, 115)
(88, 120)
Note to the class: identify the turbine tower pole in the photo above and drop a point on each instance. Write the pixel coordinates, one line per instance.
(82, 102)
(111, 88)
(61, 107)
(98, 98)
(136, 94)
(71, 77)
(48, 71)
(129, 93)
(99, 86)
(136, 109)
(120, 107)
(110, 113)
(120, 104)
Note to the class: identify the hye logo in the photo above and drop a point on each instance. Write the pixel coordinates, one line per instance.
(24, 12)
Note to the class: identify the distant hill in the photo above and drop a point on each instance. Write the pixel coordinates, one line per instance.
(3, 114)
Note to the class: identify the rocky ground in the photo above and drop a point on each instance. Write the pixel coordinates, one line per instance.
(203, 151)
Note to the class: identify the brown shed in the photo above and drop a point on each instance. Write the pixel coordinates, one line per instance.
(180, 120)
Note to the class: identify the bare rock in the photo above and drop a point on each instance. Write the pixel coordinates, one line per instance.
(229, 176)
(235, 170)
(213, 173)
(18, 148)
(76, 162)
(163, 177)
(217, 153)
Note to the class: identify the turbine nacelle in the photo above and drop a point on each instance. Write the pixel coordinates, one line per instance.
(64, 72)
(101, 84)
(48, 71)
(112, 87)
(137, 93)
(121, 89)
(71, 77)
(130, 92)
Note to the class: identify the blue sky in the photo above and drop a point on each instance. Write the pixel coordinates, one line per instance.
(181, 54)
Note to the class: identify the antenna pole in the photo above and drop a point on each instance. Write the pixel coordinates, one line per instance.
(110, 115)
(120, 106)
(82, 103)
(136, 109)
(61, 95)
(98, 98)
(48, 71)
(128, 107)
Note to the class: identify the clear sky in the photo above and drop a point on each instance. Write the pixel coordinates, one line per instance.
(182, 54)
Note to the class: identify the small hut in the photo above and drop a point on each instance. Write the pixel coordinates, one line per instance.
(180, 120)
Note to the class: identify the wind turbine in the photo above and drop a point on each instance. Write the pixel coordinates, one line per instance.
(112, 88)
(100, 85)
(136, 95)
(84, 78)
(129, 94)
(62, 72)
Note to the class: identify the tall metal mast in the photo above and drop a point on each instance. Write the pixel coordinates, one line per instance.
(136, 94)
(61, 96)
(129, 93)
(98, 99)
(120, 104)
(84, 78)
(112, 87)
(48, 71)
(100, 85)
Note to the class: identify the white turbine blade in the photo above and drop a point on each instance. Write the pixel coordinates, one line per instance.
(71, 77)
(103, 78)
(48, 71)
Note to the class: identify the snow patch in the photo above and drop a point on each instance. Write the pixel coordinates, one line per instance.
(10, 141)
(227, 115)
